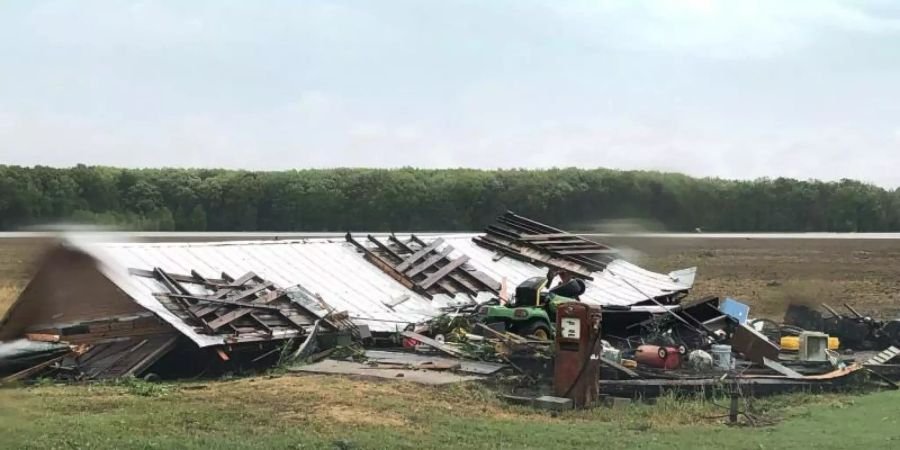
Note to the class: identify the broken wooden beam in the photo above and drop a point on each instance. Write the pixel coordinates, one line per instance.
(433, 344)
(443, 271)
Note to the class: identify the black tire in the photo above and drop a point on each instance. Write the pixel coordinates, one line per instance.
(536, 328)
(151, 377)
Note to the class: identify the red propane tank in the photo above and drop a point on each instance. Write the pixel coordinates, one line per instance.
(659, 357)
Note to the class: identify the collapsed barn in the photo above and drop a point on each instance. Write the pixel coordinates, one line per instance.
(101, 310)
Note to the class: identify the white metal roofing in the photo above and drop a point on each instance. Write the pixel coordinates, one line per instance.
(335, 270)
(610, 287)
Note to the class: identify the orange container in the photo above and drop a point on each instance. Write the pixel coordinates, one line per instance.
(660, 357)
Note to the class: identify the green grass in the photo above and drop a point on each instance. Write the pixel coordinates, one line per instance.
(334, 412)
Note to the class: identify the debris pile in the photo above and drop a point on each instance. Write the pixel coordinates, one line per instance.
(547, 310)
(254, 319)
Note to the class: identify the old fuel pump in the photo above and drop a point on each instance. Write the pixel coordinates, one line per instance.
(577, 368)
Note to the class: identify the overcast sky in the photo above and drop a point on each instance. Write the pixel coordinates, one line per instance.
(808, 89)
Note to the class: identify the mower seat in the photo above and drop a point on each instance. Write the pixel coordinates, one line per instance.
(528, 292)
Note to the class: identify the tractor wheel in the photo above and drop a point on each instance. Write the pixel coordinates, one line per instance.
(537, 329)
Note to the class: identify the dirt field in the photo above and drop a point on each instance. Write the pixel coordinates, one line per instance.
(18, 260)
(770, 273)
(766, 273)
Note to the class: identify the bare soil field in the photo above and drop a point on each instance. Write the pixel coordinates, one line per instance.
(768, 274)
(18, 261)
(763, 272)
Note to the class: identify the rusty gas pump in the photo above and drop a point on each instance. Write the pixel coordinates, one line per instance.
(578, 349)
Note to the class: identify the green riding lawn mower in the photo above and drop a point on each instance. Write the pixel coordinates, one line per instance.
(531, 312)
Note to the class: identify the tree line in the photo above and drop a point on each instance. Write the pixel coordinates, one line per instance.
(425, 199)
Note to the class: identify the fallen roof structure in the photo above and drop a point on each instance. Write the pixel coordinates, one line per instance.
(104, 280)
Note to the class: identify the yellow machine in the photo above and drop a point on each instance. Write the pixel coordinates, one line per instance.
(793, 343)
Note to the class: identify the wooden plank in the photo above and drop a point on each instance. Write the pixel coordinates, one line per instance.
(137, 331)
(228, 317)
(485, 280)
(148, 360)
(172, 285)
(199, 277)
(544, 228)
(566, 243)
(384, 248)
(430, 261)
(463, 282)
(443, 271)
(496, 334)
(406, 264)
(574, 245)
(445, 286)
(248, 292)
(299, 320)
(180, 278)
(596, 251)
(202, 310)
(480, 278)
(129, 355)
(240, 312)
(261, 323)
(141, 272)
(232, 300)
(544, 237)
(884, 356)
(243, 279)
(520, 228)
(434, 344)
(387, 267)
(221, 301)
(256, 305)
(42, 337)
(22, 374)
(119, 350)
(175, 288)
(95, 352)
(781, 368)
(533, 256)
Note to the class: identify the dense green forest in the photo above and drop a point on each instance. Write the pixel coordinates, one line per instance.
(419, 199)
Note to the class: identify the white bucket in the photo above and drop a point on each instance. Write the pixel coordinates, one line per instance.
(722, 356)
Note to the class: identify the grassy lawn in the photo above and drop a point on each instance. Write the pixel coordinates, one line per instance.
(335, 412)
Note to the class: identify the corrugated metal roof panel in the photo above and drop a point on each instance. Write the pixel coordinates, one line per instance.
(609, 287)
(335, 270)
